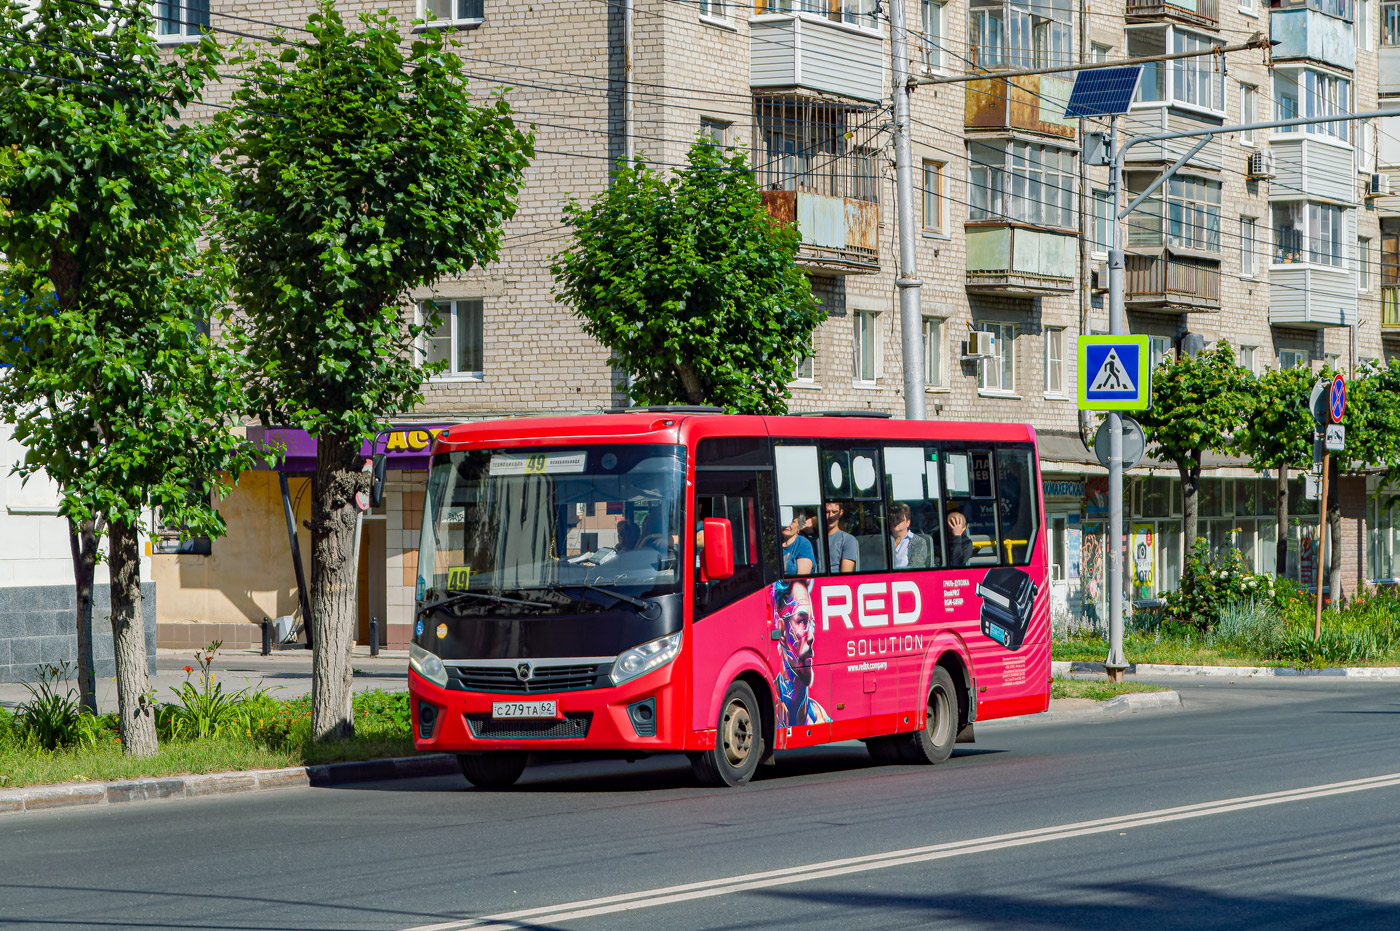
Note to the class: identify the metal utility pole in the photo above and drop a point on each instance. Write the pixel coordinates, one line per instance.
(1116, 663)
(907, 278)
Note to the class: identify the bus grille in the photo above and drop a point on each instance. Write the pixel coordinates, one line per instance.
(488, 728)
(502, 679)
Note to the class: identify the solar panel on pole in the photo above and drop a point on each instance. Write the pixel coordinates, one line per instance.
(1103, 91)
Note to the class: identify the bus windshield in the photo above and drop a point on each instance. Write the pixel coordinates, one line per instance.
(541, 531)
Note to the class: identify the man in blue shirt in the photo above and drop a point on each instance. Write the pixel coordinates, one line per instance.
(798, 556)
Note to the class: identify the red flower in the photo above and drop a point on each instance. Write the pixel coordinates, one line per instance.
(189, 669)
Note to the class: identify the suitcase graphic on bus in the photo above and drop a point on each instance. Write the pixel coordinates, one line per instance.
(1008, 599)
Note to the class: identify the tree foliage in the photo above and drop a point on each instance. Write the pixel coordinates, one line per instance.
(360, 169)
(1277, 433)
(691, 284)
(116, 391)
(1198, 402)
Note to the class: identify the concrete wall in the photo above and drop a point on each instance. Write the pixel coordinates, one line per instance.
(37, 627)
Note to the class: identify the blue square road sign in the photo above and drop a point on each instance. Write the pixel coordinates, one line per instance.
(1114, 374)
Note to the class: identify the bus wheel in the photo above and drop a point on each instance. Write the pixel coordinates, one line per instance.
(885, 749)
(738, 741)
(934, 743)
(495, 770)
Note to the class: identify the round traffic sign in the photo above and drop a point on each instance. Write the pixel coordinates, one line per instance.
(1337, 399)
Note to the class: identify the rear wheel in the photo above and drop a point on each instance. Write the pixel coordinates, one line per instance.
(738, 741)
(495, 770)
(934, 743)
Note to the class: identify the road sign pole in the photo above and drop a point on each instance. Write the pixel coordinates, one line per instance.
(1321, 545)
(1116, 662)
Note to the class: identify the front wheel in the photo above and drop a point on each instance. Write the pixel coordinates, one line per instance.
(495, 770)
(738, 741)
(934, 743)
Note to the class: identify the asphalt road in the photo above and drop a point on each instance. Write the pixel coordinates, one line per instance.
(1242, 811)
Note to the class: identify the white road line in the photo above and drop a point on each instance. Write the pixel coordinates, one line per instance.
(669, 895)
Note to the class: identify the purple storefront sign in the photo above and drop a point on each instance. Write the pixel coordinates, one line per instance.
(406, 445)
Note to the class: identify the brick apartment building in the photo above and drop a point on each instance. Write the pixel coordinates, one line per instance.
(1283, 243)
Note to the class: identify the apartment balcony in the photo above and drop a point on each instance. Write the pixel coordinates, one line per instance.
(1009, 259)
(793, 50)
(1193, 12)
(1304, 34)
(1167, 283)
(1390, 310)
(1311, 297)
(840, 235)
(1146, 120)
(1389, 62)
(1035, 103)
(1308, 168)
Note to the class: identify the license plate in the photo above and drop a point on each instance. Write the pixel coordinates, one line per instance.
(524, 709)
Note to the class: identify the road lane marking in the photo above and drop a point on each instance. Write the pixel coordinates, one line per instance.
(685, 892)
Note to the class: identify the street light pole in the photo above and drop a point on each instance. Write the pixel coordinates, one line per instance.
(907, 280)
(1116, 663)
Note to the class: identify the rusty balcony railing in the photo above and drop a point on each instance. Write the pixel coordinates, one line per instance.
(1203, 12)
(1172, 281)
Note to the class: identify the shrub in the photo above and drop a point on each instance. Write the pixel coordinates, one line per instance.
(1209, 586)
(1250, 626)
(50, 717)
(378, 712)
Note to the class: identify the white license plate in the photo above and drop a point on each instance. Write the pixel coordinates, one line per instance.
(524, 709)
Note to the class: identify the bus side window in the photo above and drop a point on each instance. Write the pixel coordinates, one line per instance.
(1016, 504)
(970, 523)
(734, 496)
(913, 516)
(799, 507)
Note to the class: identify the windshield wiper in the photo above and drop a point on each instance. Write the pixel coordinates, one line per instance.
(649, 609)
(490, 596)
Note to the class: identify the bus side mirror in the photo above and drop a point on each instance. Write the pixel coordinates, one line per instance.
(717, 557)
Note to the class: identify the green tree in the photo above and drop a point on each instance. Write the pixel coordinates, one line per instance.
(361, 169)
(1278, 434)
(115, 390)
(1372, 440)
(691, 284)
(1197, 404)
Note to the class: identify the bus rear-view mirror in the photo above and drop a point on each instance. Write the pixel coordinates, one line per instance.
(717, 557)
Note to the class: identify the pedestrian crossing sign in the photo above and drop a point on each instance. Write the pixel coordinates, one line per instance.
(1114, 374)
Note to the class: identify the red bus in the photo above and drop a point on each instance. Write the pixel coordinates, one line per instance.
(671, 579)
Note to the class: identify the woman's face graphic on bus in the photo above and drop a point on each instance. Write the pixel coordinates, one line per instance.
(799, 628)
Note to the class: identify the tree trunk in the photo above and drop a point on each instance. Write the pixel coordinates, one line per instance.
(1281, 543)
(134, 706)
(333, 585)
(694, 387)
(82, 542)
(1190, 505)
(1334, 535)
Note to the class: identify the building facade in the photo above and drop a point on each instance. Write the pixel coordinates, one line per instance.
(1284, 244)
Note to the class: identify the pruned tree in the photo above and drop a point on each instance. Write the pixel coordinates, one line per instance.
(361, 169)
(691, 284)
(1198, 402)
(1277, 433)
(114, 387)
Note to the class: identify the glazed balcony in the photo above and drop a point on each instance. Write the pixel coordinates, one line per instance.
(809, 52)
(1311, 296)
(1005, 258)
(1195, 12)
(1167, 283)
(1314, 31)
(1390, 310)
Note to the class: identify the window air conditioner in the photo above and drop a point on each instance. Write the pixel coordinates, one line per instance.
(1098, 278)
(1261, 165)
(1378, 186)
(981, 345)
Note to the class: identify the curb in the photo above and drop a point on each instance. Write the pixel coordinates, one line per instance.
(1060, 668)
(47, 798)
(1132, 703)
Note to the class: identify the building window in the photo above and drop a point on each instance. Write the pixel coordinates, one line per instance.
(1363, 25)
(999, 372)
(1103, 217)
(717, 131)
(1322, 95)
(714, 9)
(1196, 82)
(853, 12)
(1292, 359)
(931, 42)
(1159, 350)
(1249, 111)
(1100, 53)
(1248, 268)
(450, 12)
(807, 362)
(933, 352)
(181, 18)
(1363, 263)
(1307, 233)
(1187, 215)
(933, 197)
(815, 146)
(1246, 358)
(1023, 182)
(458, 338)
(1390, 23)
(1055, 361)
(1021, 33)
(867, 355)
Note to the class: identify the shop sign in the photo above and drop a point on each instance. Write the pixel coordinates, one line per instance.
(1074, 537)
(1144, 550)
(406, 446)
(1062, 488)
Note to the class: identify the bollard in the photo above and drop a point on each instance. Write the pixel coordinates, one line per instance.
(267, 636)
(373, 637)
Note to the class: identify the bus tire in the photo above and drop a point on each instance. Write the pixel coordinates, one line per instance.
(885, 749)
(934, 742)
(496, 770)
(738, 741)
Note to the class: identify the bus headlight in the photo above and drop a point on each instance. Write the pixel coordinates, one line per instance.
(641, 660)
(427, 665)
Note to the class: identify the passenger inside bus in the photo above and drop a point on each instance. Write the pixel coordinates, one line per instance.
(959, 540)
(911, 550)
(797, 549)
(844, 553)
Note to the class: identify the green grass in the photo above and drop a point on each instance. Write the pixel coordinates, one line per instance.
(1097, 689)
(24, 766)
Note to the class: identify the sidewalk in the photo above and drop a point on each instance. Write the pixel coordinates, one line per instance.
(286, 673)
(1061, 668)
